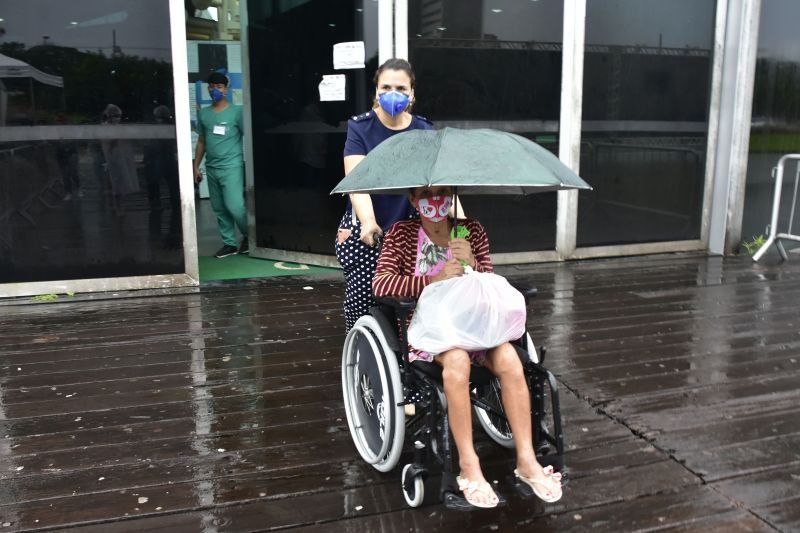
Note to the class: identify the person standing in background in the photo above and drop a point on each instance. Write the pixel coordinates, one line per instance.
(219, 130)
(120, 162)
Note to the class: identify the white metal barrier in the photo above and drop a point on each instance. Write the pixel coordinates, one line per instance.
(774, 236)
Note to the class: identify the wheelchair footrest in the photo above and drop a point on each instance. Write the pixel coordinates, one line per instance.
(525, 491)
(457, 502)
(452, 498)
(554, 460)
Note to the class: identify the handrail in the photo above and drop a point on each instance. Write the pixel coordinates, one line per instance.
(774, 236)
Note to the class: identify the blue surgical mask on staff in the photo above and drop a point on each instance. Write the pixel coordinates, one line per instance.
(393, 102)
(216, 95)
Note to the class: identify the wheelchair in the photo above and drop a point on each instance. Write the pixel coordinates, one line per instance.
(378, 381)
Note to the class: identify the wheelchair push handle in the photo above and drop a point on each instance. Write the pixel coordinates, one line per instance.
(402, 306)
(527, 291)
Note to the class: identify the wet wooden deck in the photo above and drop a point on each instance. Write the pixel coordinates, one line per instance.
(221, 410)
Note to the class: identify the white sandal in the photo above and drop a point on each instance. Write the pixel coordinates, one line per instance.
(469, 488)
(541, 488)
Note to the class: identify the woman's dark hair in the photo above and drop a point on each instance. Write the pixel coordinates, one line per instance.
(396, 64)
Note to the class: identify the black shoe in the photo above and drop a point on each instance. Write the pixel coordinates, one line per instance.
(225, 251)
(244, 247)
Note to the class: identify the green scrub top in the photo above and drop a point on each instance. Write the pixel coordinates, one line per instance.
(222, 131)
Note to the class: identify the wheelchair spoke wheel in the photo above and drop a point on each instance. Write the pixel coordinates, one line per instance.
(495, 425)
(372, 388)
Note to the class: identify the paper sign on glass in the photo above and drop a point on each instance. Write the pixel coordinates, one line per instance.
(234, 52)
(348, 55)
(192, 57)
(331, 88)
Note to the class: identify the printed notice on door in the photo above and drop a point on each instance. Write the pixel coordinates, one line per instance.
(348, 55)
(331, 88)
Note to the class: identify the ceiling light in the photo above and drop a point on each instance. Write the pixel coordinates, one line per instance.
(497, 10)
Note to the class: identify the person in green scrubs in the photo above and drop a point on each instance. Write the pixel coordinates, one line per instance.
(219, 130)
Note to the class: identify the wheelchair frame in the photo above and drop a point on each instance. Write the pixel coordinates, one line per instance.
(399, 383)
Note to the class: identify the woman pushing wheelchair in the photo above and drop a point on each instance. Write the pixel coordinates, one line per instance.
(419, 252)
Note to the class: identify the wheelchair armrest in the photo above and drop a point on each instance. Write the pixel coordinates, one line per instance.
(402, 306)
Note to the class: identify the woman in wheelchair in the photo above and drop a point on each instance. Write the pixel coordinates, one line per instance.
(419, 252)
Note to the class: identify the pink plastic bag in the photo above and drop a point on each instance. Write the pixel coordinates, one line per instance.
(474, 312)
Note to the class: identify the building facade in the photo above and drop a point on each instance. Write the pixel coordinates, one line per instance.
(674, 112)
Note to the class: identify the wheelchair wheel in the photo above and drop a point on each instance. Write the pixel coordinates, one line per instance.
(494, 425)
(372, 388)
(415, 496)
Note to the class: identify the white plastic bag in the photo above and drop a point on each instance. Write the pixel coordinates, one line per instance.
(474, 312)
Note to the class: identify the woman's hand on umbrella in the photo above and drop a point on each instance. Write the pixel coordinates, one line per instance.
(369, 230)
(462, 250)
(452, 269)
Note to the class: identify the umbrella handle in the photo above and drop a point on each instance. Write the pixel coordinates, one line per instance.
(455, 210)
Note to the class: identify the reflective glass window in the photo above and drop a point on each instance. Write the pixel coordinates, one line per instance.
(494, 64)
(88, 163)
(646, 94)
(775, 127)
(298, 138)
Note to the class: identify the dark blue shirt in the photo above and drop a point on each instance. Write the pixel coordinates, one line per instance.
(365, 132)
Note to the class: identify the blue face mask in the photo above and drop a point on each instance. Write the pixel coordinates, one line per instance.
(216, 95)
(393, 102)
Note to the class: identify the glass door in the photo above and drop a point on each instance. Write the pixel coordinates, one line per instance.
(300, 101)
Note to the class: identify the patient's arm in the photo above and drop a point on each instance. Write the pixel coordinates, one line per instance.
(391, 275)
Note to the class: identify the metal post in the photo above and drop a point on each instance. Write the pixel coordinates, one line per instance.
(774, 236)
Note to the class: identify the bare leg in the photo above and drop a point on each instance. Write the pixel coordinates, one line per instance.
(504, 363)
(455, 374)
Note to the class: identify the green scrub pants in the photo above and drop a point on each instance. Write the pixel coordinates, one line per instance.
(226, 192)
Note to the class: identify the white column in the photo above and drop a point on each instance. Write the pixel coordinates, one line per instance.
(569, 141)
(180, 75)
(401, 29)
(733, 138)
(385, 30)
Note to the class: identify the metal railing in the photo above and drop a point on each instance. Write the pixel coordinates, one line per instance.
(774, 236)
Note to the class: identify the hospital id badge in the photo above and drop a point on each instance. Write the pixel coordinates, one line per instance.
(219, 129)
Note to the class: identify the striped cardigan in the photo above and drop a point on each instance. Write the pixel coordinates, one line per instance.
(394, 275)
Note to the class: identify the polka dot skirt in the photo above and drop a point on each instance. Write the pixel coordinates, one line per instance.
(358, 262)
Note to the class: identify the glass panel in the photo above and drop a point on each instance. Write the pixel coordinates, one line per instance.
(88, 172)
(647, 82)
(775, 127)
(494, 64)
(297, 139)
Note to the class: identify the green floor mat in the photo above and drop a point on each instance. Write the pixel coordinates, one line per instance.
(244, 266)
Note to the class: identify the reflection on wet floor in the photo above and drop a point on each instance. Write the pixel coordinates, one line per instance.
(222, 410)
